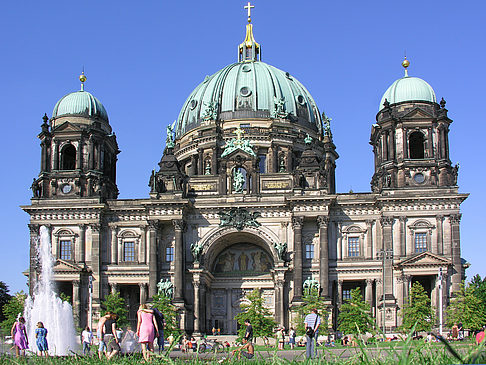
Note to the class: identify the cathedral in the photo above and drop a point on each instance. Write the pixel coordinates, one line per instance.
(245, 197)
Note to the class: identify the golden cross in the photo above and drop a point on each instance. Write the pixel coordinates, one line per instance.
(249, 7)
(238, 133)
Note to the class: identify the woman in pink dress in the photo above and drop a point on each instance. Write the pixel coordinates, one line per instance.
(19, 334)
(147, 330)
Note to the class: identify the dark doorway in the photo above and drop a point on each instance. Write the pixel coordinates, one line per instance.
(416, 143)
(68, 157)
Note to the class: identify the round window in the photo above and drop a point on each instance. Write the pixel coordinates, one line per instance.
(300, 99)
(245, 91)
(419, 178)
(246, 68)
(193, 104)
(66, 188)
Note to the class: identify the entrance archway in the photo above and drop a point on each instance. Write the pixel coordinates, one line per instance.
(238, 263)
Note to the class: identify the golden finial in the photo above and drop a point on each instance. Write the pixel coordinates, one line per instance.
(249, 7)
(82, 78)
(405, 64)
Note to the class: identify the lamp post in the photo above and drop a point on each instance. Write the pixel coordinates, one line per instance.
(440, 301)
(384, 255)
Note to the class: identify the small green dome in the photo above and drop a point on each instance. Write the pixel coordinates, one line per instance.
(247, 91)
(80, 103)
(408, 89)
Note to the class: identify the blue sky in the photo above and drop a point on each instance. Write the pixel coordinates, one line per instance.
(143, 59)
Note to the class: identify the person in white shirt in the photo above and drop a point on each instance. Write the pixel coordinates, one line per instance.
(311, 324)
(87, 340)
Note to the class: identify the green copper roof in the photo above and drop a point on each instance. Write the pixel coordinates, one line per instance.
(80, 103)
(248, 91)
(408, 89)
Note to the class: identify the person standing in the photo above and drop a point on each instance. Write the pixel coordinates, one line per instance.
(99, 334)
(41, 340)
(19, 334)
(110, 338)
(159, 318)
(87, 339)
(146, 330)
(292, 338)
(281, 338)
(311, 324)
(249, 331)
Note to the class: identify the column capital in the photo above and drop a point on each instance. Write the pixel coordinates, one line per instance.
(323, 221)
(143, 228)
(340, 282)
(369, 222)
(95, 227)
(297, 222)
(76, 283)
(369, 282)
(439, 217)
(379, 281)
(179, 224)
(386, 221)
(142, 286)
(34, 228)
(114, 287)
(279, 283)
(82, 226)
(153, 225)
(402, 219)
(455, 218)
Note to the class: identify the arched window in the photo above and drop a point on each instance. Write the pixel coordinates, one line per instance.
(416, 144)
(68, 157)
(128, 251)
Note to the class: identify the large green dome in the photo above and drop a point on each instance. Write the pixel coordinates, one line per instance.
(81, 104)
(247, 91)
(408, 89)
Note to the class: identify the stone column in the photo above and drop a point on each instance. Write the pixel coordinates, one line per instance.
(82, 244)
(339, 233)
(143, 244)
(76, 302)
(200, 161)
(369, 291)
(387, 223)
(229, 312)
(323, 222)
(279, 301)
(114, 245)
(214, 161)
(197, 307)
(34, 239)
(143, 292)
(369, 239)
(178, 261)
(153, 227)
(340, 292)
(439, 245)
(96, 263)
(79, 154)
(379, 295)
(401, 290)
(456, 253)
(403, 236)
(55, 155)
(297, 223)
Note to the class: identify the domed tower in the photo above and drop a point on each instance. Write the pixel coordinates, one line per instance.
(79, 150)
(410, 138)
(250, 128)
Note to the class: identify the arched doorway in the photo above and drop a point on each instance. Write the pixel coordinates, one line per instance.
(238, 263)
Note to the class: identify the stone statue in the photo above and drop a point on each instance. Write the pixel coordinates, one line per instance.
(36, 189)
(326, 123)
(170, 135)
(279, 111)
(238, 181)
(310, 284)
(207, 168)
(165, 287)
(196, 249)
(281, 248)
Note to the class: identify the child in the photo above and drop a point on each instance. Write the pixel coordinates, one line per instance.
(41, 336)
(87, 338)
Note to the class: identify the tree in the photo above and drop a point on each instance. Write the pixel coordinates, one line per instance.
(4, 298)
(12, 309)
(259, 316)
(355, 315)
(114, 304)
(479, 288)
(465, 309)
(311, 300)
(164, 305)
(65, 298)
(417, 310)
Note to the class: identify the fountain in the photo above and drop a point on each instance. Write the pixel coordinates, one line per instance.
(45, 306)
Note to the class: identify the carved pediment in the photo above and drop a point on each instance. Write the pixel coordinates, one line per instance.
(66, 266)
(67, 127)
(424, 259)
(417, 113)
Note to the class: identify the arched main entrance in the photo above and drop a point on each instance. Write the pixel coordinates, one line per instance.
(237, 263)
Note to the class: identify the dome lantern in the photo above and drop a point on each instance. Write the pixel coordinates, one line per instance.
(249, 50)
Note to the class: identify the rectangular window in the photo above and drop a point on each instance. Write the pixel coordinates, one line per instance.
(66, 250)
(129, 251)
(353, 246)
(420, 242)
(346, 294)
(169, 254)
(262, 163)
(309, 252)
